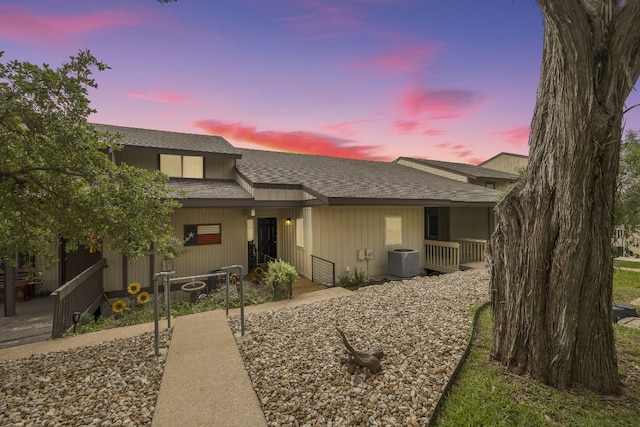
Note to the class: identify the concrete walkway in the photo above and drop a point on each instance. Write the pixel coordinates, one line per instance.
(205, 382)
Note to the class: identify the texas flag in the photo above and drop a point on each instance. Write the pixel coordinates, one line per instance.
(202, 234)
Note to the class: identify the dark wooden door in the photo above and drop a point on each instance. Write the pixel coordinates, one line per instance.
(267, 238)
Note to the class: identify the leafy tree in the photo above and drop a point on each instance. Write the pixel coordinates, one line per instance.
(551, 256)
(628, 195)
(56, 177)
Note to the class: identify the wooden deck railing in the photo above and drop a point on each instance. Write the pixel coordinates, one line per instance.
(442, 256)
(471, 250)
(83, 293)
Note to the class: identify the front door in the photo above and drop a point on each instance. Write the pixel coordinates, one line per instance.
(267, 239)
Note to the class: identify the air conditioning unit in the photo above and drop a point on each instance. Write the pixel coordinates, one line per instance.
(404, 263)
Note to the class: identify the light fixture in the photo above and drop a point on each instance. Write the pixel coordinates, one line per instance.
(287, 221)
(76, 319)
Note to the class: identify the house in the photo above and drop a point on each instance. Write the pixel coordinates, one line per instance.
(323, 215)
(477, 175)
(507, 162)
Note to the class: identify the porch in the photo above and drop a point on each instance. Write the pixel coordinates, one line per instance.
(459, 254)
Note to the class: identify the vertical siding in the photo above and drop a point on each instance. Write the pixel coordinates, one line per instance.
(219, 168)
(338, 233)
(197, 259)
(138, 159)
(202, 259)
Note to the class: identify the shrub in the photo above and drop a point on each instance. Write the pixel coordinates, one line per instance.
(345, 278)
(359, 276)
(280, 275)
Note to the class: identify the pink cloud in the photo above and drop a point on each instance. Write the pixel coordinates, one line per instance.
(295, 142)
(475, 161)
(516, 136)
(402, 59)
(406, 126)
(443, 145)
(18, 23)
(348, 128)
(162, 96)
(433, 132)
(439, 103)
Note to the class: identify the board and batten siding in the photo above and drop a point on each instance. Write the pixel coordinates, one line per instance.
(197, 259)
(338, 233)
(205, 258)
(219, 168)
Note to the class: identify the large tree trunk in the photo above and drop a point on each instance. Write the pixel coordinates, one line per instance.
(551, 256)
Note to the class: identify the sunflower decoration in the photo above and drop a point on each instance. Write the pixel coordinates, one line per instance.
(134, 288)
(118, 306)
(144, 297)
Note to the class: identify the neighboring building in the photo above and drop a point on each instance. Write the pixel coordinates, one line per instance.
(507, 162)
(463, 172)
(323, 215)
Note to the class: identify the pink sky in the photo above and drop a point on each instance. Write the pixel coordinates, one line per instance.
(370, 79)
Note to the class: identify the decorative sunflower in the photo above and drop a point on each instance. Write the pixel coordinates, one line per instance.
(134, 288)
(144, 297)
(118, 306)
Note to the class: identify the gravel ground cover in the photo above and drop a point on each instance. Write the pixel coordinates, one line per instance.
(108, 384)
(295, 357)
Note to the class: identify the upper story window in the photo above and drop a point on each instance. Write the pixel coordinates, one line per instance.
(178, 166)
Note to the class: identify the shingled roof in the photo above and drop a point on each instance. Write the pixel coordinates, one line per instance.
(347, 181)
(171, 141)
(469, 171)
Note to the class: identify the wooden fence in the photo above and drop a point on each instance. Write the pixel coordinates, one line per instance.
(83, 294)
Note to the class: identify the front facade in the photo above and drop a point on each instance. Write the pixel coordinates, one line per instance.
(323, 215)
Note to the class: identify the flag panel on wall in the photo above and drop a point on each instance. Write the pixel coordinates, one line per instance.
(209, 234)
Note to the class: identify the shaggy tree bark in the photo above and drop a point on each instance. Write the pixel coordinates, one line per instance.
(551, 256)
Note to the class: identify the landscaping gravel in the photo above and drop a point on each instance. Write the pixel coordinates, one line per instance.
(295, 357)
(115, 383)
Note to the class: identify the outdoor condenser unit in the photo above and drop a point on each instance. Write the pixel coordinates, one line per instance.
(404, 263)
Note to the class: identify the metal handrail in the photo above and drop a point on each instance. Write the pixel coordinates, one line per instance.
(165, 275)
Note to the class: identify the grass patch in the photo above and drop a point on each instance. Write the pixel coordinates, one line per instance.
(626, 286)
(487, 395)
(627, 264)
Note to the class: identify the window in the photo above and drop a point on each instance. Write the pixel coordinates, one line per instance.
(393, 231)
(432, 228)
(250, 232)
(177, 166)
(300, 232)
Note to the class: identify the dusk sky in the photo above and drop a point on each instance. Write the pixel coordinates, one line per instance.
(370, 79)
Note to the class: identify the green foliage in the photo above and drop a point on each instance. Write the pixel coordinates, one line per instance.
(345, 278)
(626, 286)
(56, 178)
(214, 301)
(359, 276)
(628, 191)
(280, 274)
